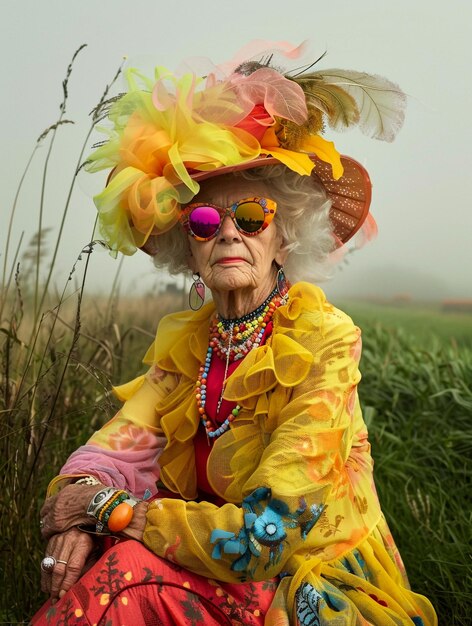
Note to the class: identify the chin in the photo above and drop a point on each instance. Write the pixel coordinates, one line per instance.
(230, 285)
(231, 278)
(231, 281)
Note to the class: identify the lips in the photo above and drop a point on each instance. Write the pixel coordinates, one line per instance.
(230, 259)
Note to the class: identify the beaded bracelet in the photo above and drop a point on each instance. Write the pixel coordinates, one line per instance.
(111, 506)
(117, 497)
(120, 517)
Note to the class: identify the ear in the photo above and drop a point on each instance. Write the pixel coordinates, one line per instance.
(191, 262)
(282, 253)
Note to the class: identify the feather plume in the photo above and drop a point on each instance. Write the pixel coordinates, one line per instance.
(339, 106)
(349, 98)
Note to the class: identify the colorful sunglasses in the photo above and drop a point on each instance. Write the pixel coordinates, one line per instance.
(250, 216)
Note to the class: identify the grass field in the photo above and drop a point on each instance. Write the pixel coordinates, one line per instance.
(427, 323)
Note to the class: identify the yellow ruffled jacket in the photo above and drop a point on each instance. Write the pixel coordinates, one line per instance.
(299, 434)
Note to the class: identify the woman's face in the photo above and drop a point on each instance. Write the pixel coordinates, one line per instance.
(231, 260)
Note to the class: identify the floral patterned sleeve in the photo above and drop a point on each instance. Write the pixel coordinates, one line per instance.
(124, 453)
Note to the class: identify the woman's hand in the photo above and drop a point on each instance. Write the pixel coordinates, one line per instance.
(67, 509)
(135, 529)
(74, 547)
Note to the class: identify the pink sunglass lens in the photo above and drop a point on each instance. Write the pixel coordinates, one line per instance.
(204, 221)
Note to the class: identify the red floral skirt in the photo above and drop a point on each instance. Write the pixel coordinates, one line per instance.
(131, 585)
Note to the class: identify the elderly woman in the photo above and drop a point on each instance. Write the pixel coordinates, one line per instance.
(238, 469)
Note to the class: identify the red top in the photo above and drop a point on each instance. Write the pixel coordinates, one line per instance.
(202, 447)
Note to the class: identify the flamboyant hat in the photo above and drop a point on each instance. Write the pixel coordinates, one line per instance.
(170, 132)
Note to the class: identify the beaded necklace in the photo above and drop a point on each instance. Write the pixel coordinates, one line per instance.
(231, 340)
(234, 338)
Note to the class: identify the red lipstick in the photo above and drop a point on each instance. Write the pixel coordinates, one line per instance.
(229, 260)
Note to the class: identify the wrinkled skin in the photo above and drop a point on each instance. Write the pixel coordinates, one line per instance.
(67, 509)
(61, 514)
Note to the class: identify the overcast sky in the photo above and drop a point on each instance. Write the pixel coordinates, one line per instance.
(422, 191)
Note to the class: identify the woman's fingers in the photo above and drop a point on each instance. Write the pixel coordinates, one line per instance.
(75, 564)
(70, 550)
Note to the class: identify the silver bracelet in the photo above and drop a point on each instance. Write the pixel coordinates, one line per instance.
(99, 500)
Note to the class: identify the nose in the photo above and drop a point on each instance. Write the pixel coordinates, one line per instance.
(228, 231)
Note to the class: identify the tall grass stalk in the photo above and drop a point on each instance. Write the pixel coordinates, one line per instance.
(96, 116)
(53, 128)
(38, 306)
(6, 283)
(44, 380)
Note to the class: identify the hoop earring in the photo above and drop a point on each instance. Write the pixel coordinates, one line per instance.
(196, 294)
(281, 284)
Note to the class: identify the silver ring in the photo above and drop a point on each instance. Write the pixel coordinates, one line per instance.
(47, 564)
